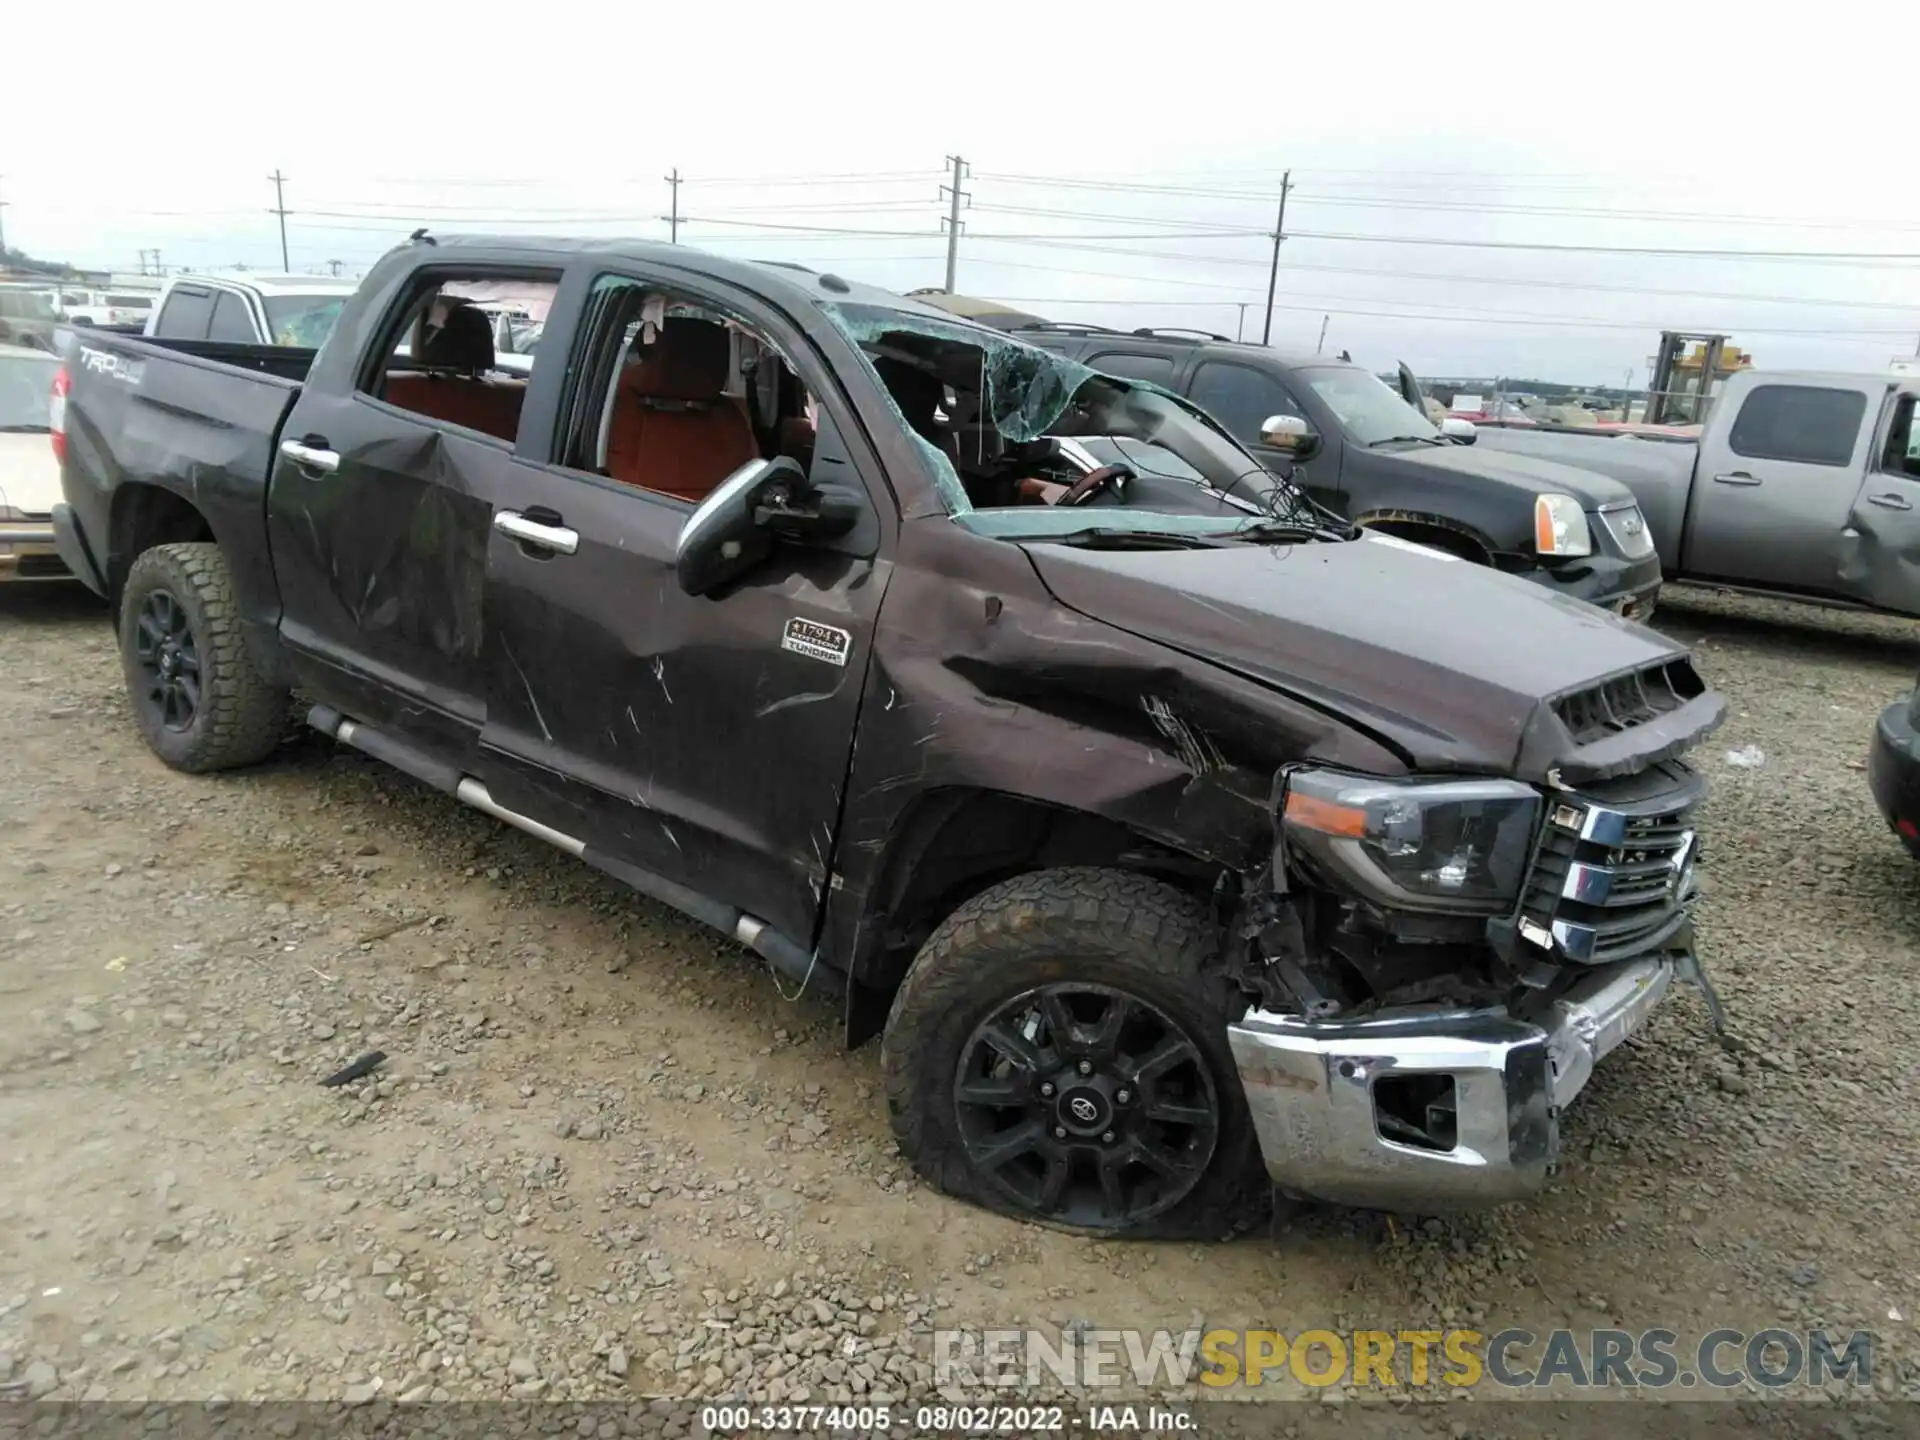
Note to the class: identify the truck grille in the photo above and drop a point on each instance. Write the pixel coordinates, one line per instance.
(1613, 872)
(1628, 700)
(1628, 527)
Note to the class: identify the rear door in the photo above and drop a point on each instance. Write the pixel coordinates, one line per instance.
(379, 514)
(705, 740)
(1774, 488)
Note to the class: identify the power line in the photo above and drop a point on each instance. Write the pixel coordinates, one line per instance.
(1297, 267)
(1176, 222)
(1683, 217)
(1566, 322)
(1851, 256)
(523, 182)
(1333, 198)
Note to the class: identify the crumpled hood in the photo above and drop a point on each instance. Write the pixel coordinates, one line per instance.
(1522, 473)
(29, 474)
(1446, 660)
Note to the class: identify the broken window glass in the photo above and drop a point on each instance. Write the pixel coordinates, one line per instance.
(998, 421)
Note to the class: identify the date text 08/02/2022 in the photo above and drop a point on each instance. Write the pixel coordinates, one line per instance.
(940, 1419)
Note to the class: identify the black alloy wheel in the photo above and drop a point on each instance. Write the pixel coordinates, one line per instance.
(1086, 1106)
(168, 659)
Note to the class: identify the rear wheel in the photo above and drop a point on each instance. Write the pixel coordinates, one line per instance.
(1058, 1052)
(197, 696)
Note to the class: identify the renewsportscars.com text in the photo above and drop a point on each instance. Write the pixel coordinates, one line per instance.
(1511, 1359)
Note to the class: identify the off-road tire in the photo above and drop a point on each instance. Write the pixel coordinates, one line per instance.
(241, 715)
(1085, 925)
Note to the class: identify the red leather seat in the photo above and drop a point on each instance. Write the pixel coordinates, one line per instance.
(673, 430)
(453, 384)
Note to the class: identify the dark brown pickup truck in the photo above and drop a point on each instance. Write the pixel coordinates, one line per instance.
(1174, 831)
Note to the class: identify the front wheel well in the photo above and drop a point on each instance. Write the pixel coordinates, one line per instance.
(144, 516)
(1433, 532)
(956, 844)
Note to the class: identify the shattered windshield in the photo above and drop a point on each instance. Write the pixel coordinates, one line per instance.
(1005, 425)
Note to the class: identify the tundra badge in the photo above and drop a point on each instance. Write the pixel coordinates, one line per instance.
(817, 642)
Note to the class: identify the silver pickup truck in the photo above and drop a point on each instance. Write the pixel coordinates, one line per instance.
(1802, 483)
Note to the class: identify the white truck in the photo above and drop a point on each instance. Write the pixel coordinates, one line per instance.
(250, 309)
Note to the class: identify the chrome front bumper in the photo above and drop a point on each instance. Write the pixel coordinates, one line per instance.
(1312, 1089)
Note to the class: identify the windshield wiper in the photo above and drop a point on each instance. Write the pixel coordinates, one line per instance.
(1113, 537)
(1281, 528)
(26, 429)
(1403, 439)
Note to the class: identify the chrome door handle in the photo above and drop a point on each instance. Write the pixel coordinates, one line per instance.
(1890, 502)
(1736, 477)
(313, 457)
(548, 537)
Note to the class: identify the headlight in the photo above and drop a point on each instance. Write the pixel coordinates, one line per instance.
(1560, 526)
(1453, 845)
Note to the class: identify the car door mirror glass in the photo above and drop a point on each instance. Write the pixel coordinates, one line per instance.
(1291, 434)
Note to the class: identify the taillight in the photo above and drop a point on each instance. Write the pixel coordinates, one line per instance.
(57, 413)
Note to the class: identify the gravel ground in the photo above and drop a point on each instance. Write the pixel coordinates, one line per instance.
(606, 1159)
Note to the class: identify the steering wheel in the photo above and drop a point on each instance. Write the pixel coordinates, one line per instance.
(1092, 483)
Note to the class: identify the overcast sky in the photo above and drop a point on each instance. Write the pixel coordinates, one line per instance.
(1126, 158)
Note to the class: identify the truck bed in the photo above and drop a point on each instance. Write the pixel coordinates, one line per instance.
(198, 418)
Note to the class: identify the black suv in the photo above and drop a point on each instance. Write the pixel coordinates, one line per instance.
(1360, 449)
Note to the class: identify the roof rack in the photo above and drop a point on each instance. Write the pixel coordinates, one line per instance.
(1071, 327)
(1178, 332)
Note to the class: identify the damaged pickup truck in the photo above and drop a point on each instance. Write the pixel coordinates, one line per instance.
(1175, 833)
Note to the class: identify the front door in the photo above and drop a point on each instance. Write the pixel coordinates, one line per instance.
(1772, 491)
(706, 740)
(1242, 398)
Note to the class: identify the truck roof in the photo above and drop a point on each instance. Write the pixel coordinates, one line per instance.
(776, 279)
(274, 284)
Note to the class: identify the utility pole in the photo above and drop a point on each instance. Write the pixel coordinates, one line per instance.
(1240, 327)
(3, 227)
(158, 268)
(1321, 344)
(673, 220)
(1273, 273)
(280, 209)
(954, 196)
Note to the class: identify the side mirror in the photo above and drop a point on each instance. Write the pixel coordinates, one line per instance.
(1289, 433)
(736, 527)
(1462, 432)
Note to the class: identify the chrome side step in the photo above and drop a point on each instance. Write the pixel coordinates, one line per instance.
(798, 964)
(473, 793)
